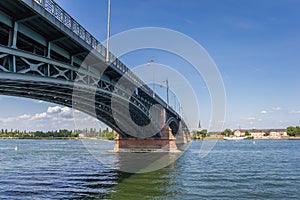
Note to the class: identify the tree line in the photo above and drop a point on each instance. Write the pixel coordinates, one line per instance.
(105, 134)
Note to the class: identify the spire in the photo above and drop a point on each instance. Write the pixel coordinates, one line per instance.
(199, 126)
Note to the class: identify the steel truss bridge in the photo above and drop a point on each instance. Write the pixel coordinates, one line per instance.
(43, 54)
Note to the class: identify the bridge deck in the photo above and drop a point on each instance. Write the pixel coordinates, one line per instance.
(47, 24)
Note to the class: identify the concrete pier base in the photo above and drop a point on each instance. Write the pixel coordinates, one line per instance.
(167, 143)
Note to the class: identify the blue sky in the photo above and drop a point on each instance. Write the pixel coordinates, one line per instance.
(254, 43)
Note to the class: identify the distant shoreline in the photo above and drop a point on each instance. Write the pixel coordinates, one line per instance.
(221, 138)
(38, 138)
(93, 138)
(51, 138)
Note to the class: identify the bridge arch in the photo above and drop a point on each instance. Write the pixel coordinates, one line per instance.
(173, 123)
(40, 58)
(60, 92)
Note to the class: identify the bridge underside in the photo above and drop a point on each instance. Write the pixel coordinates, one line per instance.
(46, 55)
(30, 82)
(61, 92)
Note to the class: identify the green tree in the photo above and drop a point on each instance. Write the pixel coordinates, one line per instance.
(291, 131)
(202, 133)
(194, 135)
(227, 132)
(74, 134)
(267, 134)
(297, 130)
(247, 133)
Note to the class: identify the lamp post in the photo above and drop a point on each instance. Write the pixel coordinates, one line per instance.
(167, 86)
(108, 32)
(153, 77)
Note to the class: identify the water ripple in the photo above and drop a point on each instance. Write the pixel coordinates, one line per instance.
(233, 170)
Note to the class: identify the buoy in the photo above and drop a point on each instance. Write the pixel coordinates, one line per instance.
(253, 142)
(16, 148)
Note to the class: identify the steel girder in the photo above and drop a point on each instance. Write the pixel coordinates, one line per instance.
(46, 73)
(27, 75)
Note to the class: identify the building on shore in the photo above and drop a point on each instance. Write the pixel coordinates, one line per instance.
(275, 133)
(262, 133)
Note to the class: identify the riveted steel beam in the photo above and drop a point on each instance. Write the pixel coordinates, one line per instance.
(5, 19)
(23, 19)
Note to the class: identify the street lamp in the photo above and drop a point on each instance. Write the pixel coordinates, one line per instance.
(153, 77)
(108, 32)
(167, 86)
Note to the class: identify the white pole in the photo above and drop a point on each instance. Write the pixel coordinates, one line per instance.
(153, 84)
(167, 85)
(108, 32)
(153, 76)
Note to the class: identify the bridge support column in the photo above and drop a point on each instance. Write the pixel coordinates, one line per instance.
(167, 143)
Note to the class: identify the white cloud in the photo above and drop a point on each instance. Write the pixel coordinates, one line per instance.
(276, 108)
(39, 116)
(251, 118)
(53, 109)
(25, 116)
(38, 101)
(66, 112)
(53, 118)
(7, 120)
(295, 112)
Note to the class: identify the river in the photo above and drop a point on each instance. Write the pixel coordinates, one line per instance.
(62, 169)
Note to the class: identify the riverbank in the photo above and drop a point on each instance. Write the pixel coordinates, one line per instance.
(39, 138)
(294, 138)
(283, 138)
(52, 138)
(96, 138)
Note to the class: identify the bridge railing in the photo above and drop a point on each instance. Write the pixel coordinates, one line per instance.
(56, 11)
